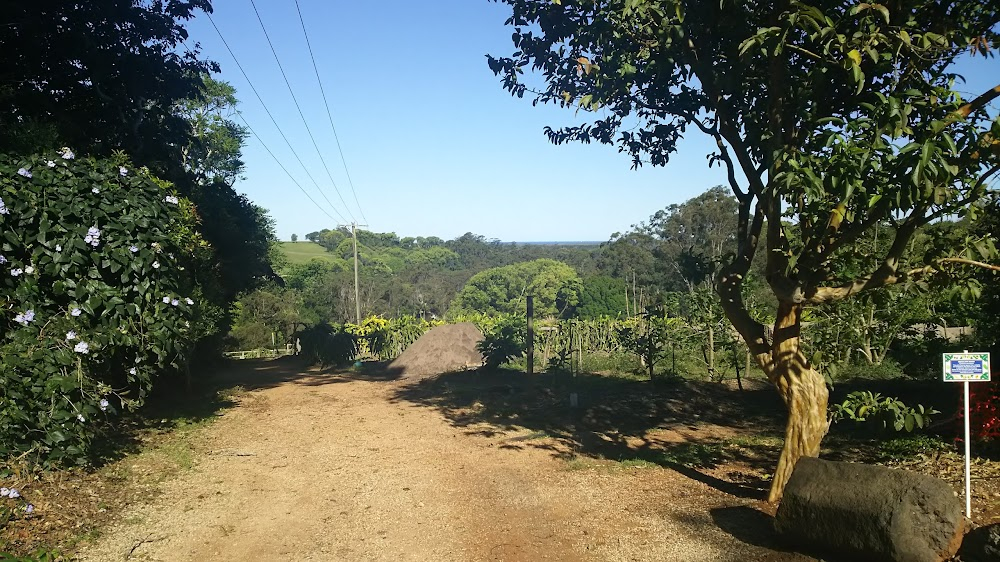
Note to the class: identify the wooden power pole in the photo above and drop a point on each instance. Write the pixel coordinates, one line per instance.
(357, 292)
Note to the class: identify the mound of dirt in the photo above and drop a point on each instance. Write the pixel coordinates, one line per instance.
(441, 350)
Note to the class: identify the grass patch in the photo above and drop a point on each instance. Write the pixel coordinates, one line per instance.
(910, 447)
(577, 463)
(304, 252)
(637, 463)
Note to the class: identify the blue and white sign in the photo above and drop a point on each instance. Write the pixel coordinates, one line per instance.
(972, 367)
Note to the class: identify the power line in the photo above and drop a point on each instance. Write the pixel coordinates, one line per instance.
(299, 108)
(273, 120)
(328, 113)
(282, 166)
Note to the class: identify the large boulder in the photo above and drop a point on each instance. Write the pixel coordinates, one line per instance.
(865, 512)
(982, 545)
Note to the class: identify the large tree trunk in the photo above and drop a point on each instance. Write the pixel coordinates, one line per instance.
(780, 357)
(804, 392)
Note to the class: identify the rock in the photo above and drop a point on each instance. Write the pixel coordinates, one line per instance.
(982, 545)
(868, 512)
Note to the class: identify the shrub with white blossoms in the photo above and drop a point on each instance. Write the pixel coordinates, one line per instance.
(96, 290)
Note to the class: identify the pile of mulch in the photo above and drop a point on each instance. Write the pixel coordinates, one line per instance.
(443, 349)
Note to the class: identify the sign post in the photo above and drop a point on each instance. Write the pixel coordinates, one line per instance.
(965, 368)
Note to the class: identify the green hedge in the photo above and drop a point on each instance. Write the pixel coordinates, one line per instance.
(97, 295)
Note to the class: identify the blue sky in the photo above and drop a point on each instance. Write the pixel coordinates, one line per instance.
(433, 144)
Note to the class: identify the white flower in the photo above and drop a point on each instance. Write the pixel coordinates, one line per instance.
(122, 171)
(133, 248)
(82, 347)
(95, 190)
(4, 492)
(16, 271)
(156, 265)
(58, 248)
(75, 311)
(66, 153)
(25, 172)
(29, 270)
(80, 417)
(93, 236)
(131, 371)
(3, 208)
(14, 494)
(188, 300)
(175, 302)
(166, 300)
(70, 335)
(51, 164)
(103, 404)
(3, 259)
(170, 199)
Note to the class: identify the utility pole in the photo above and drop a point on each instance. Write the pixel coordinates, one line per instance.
(357, 293)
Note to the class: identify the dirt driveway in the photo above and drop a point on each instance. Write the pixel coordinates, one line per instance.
(312, 466)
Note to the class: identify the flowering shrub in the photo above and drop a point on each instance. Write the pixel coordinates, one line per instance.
(96, 287)
(984, 411)
(13, 505)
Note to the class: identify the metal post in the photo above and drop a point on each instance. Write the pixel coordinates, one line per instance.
(531, 335)
(968, 471)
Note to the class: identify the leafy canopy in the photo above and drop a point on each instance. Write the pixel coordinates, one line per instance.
(503, 290)
(830, 116)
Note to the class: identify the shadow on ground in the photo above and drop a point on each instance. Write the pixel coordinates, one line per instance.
(174, 403)
(690, 427)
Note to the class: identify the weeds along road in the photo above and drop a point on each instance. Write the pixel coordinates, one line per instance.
(312, 466)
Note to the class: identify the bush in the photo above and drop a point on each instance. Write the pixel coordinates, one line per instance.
(865, 406)
(984, 410)
(887, 369)
(96, 295)
(503, 340)
(328, 345)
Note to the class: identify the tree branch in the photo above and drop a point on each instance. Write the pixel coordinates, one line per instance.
(830, 294)
(983, 99)
(730, 169)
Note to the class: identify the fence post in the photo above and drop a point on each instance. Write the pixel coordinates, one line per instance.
(531, 335)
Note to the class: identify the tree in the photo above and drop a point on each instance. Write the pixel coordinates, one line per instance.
(602, 296)
(99, 77)
(832, 118)
(213, 152)
(502, 290)
(295, 237)
(107, 78)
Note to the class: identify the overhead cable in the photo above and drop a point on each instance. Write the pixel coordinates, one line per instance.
(328, 113)
(273, 120)
(299, 108)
